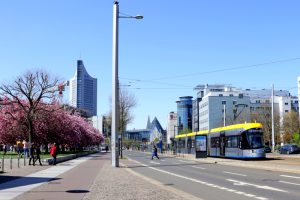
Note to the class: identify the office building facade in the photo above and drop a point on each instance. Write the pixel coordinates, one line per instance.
(172, 127)
(83, 90)
(184, 113)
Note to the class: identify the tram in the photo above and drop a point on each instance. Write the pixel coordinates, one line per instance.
(241, 141)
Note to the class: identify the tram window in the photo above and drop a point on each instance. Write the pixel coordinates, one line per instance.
(214, 142)
(232, 142)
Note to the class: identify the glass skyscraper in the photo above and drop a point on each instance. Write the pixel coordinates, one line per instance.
(184, 113)
(83, 90)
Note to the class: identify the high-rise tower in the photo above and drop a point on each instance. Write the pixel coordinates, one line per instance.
(83, 90)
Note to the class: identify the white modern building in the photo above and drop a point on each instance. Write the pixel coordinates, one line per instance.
(97, 122)
(219, 105)
(172, 126)
(224, 104)
(83, 90)
(218, 109)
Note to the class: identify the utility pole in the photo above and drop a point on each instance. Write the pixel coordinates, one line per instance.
(273, 131)
(115, 84)
(115, 88)
(224, 108)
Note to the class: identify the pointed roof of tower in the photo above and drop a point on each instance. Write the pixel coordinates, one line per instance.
(155, 123)
(148, 123)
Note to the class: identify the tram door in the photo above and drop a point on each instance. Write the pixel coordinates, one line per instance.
(189, 145)
(222, 144)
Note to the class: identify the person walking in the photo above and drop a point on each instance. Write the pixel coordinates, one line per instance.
(106, 148)
(26, 148)
(154, 153)
(4, 149)
(32, 154)
(53, 154)
(20, 148)
(37, 154)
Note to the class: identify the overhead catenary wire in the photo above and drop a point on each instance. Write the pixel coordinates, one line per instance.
(228, 69)
(155, 80)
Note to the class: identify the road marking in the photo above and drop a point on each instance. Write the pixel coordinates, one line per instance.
(155, 162)
(203, 182)
(290, 176)
(163, 160)
(234, 173)
(198, 167)
(176, 163)
(289, 183)
(265, 187)
(185, 161)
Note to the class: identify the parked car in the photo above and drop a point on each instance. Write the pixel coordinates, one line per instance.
(289, 149)
(267, 149)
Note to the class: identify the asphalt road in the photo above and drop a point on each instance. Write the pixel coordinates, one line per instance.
(214, 181)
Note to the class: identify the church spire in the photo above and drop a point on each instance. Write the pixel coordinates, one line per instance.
(148, 123)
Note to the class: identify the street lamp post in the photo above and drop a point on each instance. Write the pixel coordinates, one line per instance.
(273, 124)
(115, 84)
(224, 108)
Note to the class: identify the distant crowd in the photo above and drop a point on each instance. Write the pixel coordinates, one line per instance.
(31, 151)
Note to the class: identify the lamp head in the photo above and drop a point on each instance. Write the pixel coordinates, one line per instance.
(138, 17)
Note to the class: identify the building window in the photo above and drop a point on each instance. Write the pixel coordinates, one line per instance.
(220, 95)
(286, 104)
(286, 111)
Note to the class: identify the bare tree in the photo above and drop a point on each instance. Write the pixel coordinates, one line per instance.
(290, 126)
(127, 103)
(29, 91)
(263, 115)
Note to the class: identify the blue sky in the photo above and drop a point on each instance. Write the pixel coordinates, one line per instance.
(177, 45)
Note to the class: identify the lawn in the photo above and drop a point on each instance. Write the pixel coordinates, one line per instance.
(43, 155)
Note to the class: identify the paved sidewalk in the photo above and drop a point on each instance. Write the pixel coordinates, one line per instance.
(109, 183)
(124, 184)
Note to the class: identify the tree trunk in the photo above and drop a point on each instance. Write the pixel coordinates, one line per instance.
(30, 130)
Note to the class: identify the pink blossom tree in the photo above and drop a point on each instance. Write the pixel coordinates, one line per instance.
(50, 124)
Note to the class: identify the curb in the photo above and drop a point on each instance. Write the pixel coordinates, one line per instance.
(68, 157)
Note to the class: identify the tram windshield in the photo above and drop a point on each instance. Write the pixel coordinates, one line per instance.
(252, 139)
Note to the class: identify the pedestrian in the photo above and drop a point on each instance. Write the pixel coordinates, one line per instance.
(26, 148)
(37, 154)
(32, 154)
(154, 153)
(53, 154)
(4, 149)
(20, 148)
(106, 148)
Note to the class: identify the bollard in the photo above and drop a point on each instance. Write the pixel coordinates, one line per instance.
(24, 160)
(3, 163)
(19, 161)
(11, 161)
